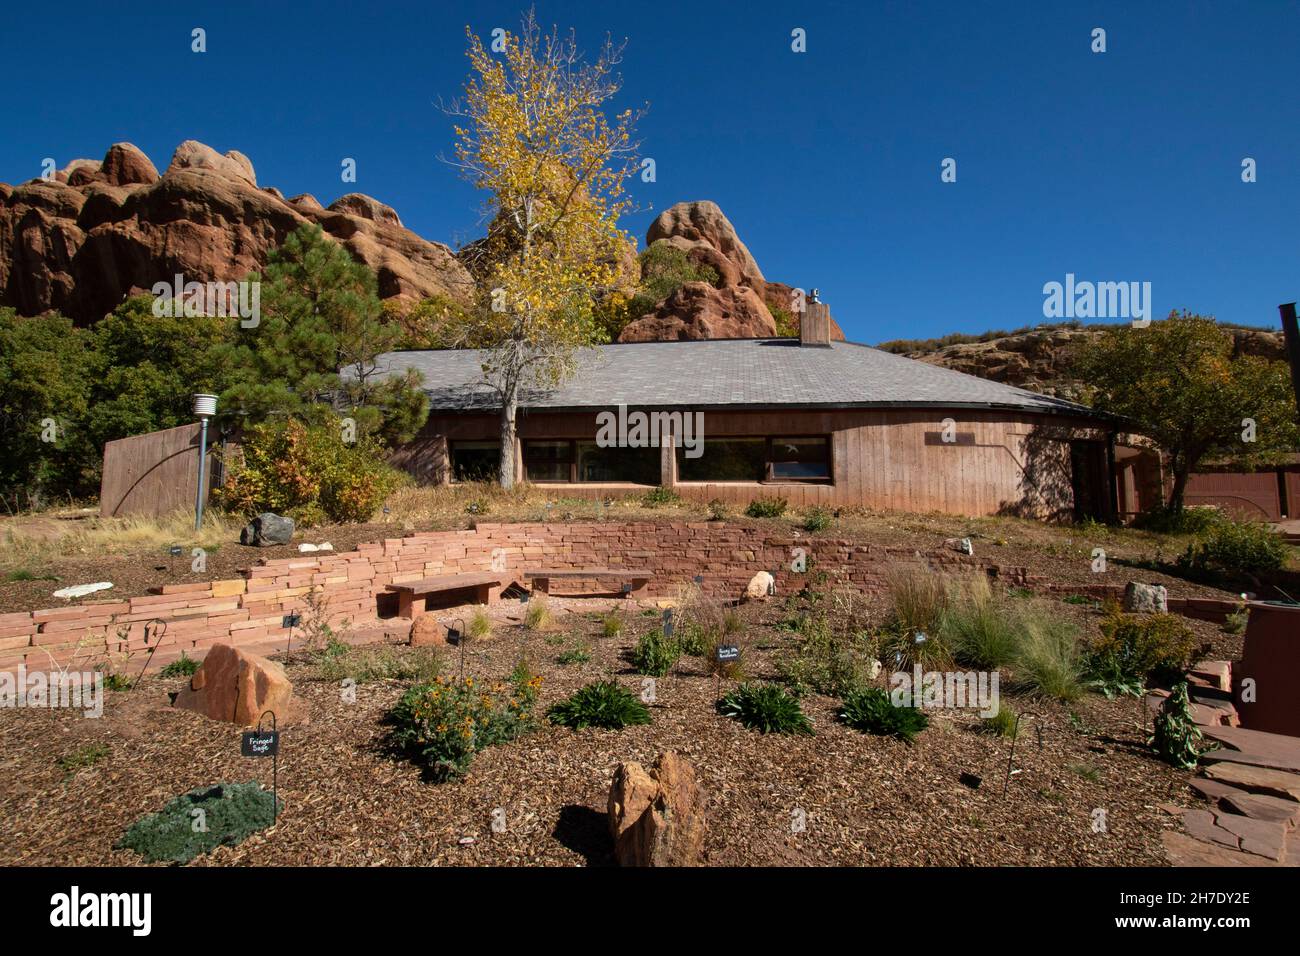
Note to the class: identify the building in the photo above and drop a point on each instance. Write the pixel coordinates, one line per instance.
(813, 421)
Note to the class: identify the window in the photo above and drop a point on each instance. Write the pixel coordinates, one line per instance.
(725, 459)
(800, 459)
(475, 460)
(578, 461)
(548, 460)
(758, 459)
(637, 465)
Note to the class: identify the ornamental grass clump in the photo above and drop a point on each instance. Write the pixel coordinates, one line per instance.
(443, 723)
(602, 704)
(870, 710)
(767, 708)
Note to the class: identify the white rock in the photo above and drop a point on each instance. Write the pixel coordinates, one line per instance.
(761, 586)
(81, 590)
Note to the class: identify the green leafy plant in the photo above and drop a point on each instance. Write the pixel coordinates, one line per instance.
(766, 507)
(611, 624)
(767, 708)
(1236, 622)
(817, 519)
(1145, 647)
(86, 756)
(824, 660)
(382, 662)
(660, 495)
(719, 510)
(574, 655)
(185, 666)
(1001, 724)
(654, 654)
(1249, 547)
(443, 723)
(231, 812)
(602, 704)
(870, 710)
(1176, 737)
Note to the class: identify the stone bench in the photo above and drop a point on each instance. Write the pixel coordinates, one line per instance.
(486, 586)
(639, 580)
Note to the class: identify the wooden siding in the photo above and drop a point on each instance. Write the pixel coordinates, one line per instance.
(151, 474)
(1012, 463)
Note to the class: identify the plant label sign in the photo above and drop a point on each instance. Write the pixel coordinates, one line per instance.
(260, 743)
(728, 652)
(174, 550)
(291, 620)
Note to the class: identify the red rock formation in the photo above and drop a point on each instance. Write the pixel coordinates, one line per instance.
(97, 232)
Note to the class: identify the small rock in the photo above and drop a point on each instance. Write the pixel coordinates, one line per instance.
(761, 586)
(267, 530)
(81, 590)
(961, 545)
(426, 630)
(1146, 598)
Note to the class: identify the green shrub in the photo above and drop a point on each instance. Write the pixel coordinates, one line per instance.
(654, 654)
(767, 708)
(574, 655)
(1001, 724)
(230, 814)
(870, 710)
(1049, 662)
(611, 624)
(1176, 737)
(1148, 647)
(660, 496)
(981, 632)
(310, 472)
(442, 723)
(719, 510)
(694, 639)
(766, 508)
(1165, 520)
(1236, 622)
(918, 598)
(817, 519)
(365, 665)
(86, 756)
(184, 667)
(602, 704)
(1248, 547)
(538, 616)
(824, 661)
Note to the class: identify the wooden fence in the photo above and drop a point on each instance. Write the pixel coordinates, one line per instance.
(152, 474)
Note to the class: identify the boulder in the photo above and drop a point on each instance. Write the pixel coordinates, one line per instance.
(760, 587)
(103, 231)
(267, 530)
(426, 630)
(960, 545)
(238, 687)
(694, 225)
(1146, 598)
(697, 310)
(657, 818)
(124, 164)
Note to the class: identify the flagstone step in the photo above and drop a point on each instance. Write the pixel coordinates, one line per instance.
(1257, 747)
(1257, 806)
(1261, 837)
(1265, 780)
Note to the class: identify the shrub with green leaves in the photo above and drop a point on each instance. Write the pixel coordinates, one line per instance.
(817, 519)
(602, 704)
(658, 496)
(1001, 724)
(1176, 737)
(1146, 647)
(870, 710)
(719, 510)
(766, 507)
(365, 665)
(611, 624)
(824, 660)
(767, 708)
(1236, 547)
(231, 812)
(654, 654)
(310, 473)
(184, 667)
(443, 723)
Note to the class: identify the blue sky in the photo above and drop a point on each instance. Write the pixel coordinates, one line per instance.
(1121, 166)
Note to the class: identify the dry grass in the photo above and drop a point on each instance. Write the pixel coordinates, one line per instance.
(37, 540)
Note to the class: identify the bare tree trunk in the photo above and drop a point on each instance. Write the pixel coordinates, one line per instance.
(509, 406)
(1179, 487)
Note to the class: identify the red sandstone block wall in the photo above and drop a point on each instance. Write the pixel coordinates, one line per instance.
(250, 609)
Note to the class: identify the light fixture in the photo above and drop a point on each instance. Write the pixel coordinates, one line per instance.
(205, 406)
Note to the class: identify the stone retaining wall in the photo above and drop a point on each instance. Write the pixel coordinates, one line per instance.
(249, 610)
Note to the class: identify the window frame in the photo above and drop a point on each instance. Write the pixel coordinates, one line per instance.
(768, 460)
(451, 454)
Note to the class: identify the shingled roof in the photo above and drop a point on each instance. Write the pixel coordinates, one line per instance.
(729, 373)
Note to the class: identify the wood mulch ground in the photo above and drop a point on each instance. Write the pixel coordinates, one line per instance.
(866, 800)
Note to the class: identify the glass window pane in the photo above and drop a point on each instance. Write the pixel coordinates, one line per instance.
(800, 458)
(547, 460)
(638, 465)
(725, 459)
(475, 460)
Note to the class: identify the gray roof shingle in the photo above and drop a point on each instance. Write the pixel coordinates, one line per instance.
(727, 372)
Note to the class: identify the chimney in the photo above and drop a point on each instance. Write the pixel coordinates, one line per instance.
(815, 324)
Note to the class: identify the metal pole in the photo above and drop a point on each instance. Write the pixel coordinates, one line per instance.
(202, 485)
